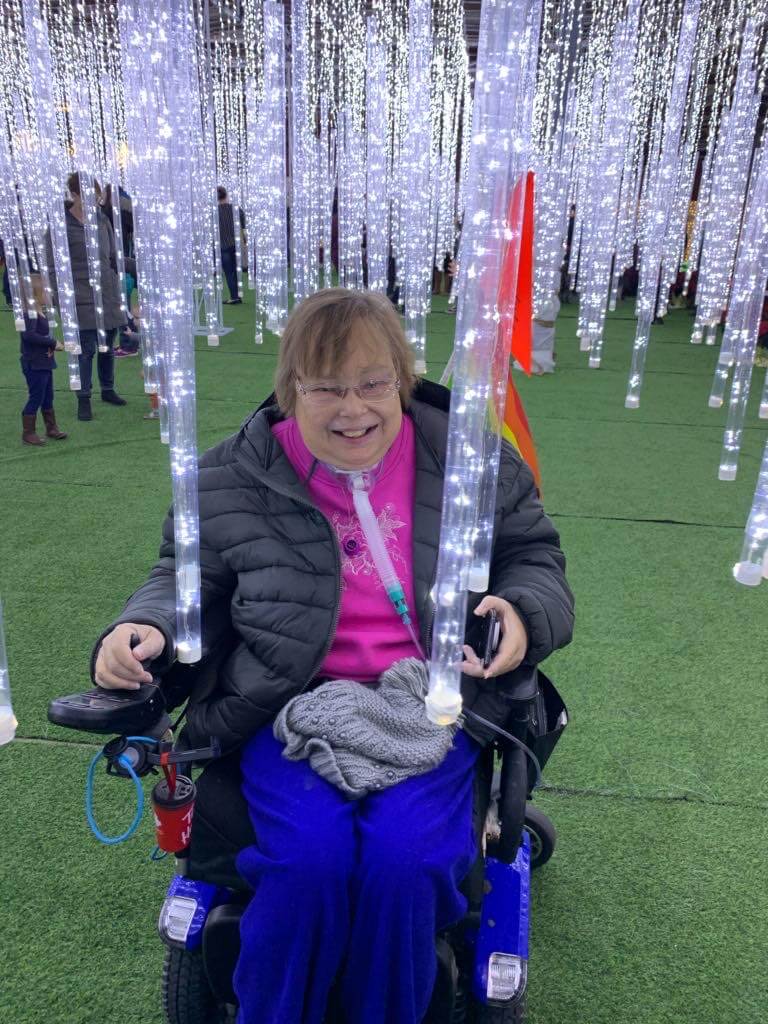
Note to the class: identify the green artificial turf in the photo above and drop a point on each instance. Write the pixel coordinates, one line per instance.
(652, 910)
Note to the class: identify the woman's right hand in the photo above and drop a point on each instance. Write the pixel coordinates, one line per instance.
(117, 666)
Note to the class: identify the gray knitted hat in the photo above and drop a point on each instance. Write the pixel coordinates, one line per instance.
(364, 738)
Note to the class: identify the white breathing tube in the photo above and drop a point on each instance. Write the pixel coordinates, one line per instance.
(358, 481)
(380, 554)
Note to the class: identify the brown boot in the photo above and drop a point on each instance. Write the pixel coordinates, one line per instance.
(29, 435)
(51, 427)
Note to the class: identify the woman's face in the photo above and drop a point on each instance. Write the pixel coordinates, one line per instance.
(352, 433)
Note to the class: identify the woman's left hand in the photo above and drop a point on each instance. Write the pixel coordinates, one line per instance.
(513, 645)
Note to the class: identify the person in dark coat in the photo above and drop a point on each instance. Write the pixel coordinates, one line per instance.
(291, 598)
(37, 365)
(227, 243)
(6, 283)
(87, 320)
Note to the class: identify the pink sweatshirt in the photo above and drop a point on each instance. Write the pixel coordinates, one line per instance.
(369, 635)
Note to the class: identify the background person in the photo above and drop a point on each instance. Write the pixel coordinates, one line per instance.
(84, 298)
(6, 283)
(227, 242)
(543, 355)
(37, 365)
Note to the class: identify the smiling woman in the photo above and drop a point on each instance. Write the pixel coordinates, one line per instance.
(345, 371)
(319, 528)
(326, 327)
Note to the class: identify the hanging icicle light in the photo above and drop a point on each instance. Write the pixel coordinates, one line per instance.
(266, 205)
(507, 34)
(415, 169)
(661, 195)
(159, 117)
(377, 149)
(752, 566)
(8, 723)
(745, 312)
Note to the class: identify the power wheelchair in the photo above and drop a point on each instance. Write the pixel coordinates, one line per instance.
(481, 961)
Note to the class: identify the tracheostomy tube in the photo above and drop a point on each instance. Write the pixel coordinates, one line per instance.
(381, 558)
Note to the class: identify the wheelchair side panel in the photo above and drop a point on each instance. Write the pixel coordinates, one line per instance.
(504, 922)
(185, 909)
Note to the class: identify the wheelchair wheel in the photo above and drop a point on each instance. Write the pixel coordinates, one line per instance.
(187, 995)
(543, 835)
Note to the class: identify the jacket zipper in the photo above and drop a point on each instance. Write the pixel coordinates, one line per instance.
(337, 609)
(286, 493)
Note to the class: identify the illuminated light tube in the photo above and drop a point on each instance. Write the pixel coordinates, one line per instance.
(8, 721)
(505, 31)
(752, 565)
(159, 118)
(660, 197)
(745, 312)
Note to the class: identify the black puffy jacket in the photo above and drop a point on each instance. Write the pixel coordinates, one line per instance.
(271, 574)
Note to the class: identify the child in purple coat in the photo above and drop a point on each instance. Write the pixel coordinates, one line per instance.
(37, 365)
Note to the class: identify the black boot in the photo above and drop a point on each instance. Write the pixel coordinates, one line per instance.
(84, 407)
(113, 398)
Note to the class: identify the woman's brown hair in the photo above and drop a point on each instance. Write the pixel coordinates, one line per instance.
(315, 341)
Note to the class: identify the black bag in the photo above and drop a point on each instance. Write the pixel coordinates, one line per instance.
(548, 719)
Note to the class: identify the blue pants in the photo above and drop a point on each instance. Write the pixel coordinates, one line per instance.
(40, 384)
(229, 266)
(105, 362)
(354, 889)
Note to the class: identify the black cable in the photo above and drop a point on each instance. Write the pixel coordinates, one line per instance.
(518, 743)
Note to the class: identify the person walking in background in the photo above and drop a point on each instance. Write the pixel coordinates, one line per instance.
(6, 285)
(544, 336)
(85, 301)
(37, 365)
(227, 242)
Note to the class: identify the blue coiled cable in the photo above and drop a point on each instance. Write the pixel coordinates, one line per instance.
(125, 763)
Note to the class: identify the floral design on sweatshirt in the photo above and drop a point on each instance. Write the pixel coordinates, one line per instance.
(356, 558)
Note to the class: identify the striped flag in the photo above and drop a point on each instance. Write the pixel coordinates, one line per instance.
(516, 291)
(517, 431)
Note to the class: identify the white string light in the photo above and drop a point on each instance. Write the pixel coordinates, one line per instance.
(745, 312)
(506, 35)
(8, 723)
(159, 118)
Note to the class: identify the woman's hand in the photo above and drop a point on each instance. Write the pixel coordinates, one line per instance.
(117, 666)
(514, 641)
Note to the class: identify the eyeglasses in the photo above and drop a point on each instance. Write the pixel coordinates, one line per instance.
(332, 394)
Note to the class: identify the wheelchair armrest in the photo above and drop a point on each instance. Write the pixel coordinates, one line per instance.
(520, 685)
(513, 779)
(120, 712)
(513, 794)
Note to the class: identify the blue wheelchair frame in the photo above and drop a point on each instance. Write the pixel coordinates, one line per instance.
(499, 944)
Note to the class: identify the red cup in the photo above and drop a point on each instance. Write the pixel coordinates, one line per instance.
(173, 813)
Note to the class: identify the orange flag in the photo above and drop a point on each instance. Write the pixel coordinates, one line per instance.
(515, 296)
(517, 431)
(522, 323)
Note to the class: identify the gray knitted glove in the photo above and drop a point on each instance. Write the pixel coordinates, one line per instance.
(363, 738)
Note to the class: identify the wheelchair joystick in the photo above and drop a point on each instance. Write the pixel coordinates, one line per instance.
(144, 744)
